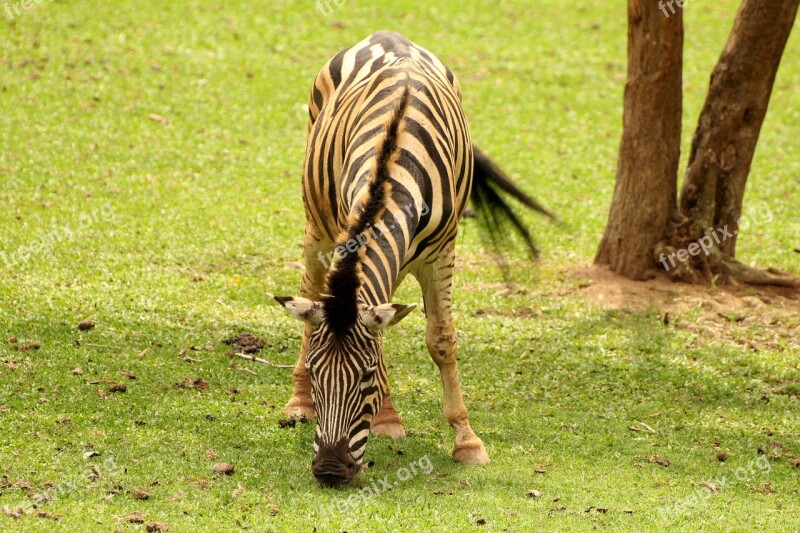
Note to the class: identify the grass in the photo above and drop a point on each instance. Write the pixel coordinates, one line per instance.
(169, 137)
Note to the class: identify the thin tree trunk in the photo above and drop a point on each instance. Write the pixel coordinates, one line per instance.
(727, 131)
(725, 140)
(646, 185)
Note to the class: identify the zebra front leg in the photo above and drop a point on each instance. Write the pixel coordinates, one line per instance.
(441, 339)
(315, 246)
(388, 422)
(301, 404)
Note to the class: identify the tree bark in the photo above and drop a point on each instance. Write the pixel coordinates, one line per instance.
(730, 122)
(647, 230)
(645, 191)
(724, 143)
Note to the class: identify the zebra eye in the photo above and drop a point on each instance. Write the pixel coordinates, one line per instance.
(368, 374)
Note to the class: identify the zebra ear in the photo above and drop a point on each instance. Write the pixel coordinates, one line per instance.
(302, 309)
(382, 316)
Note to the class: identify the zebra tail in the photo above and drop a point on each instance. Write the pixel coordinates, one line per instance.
(494, 212)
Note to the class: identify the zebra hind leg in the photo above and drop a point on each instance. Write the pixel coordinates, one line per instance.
(301, 404)
(441, 340)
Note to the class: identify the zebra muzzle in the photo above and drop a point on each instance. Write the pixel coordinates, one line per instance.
(334, 465)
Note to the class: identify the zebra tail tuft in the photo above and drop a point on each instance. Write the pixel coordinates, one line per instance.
(489, 183)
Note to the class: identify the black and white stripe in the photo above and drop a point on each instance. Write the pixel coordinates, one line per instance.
(389, 164)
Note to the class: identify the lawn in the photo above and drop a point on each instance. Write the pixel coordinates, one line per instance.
(150, 155)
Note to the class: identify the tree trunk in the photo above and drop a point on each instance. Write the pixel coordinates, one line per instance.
(725, 139)
(647, 231)
(645, 191)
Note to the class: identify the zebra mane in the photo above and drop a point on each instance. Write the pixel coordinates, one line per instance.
(340, 302)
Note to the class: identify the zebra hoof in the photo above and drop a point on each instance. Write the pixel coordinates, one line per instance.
(471, 453)
(303, 413)
(388, 429)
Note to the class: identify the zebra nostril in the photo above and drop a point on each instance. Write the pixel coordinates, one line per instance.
(334, 464)
(330, 480)
(331, 475)
(333, 471)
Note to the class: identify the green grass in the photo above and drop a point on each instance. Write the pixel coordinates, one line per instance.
(197, 218)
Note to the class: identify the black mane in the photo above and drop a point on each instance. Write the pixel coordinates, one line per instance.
(340, 302)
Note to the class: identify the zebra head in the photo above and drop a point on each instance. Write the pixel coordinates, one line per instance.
(348, 382)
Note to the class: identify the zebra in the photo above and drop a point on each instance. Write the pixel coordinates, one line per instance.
(388, 170)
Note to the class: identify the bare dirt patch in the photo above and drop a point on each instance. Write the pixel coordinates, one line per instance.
(196, 383)
(245, 343)
(755, 317)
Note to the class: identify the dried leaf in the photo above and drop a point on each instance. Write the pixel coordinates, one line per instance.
(196, 383)
(287, 422)
(766, 488)
(48, 514)
(42, 497)
(710, 486)
(225, 469)
(27, 347)
(157, 118)
(117, 387)
(13, 512)
(663, 461)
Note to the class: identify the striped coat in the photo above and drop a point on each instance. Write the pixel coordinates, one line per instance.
(388, 171)
(361, 84)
